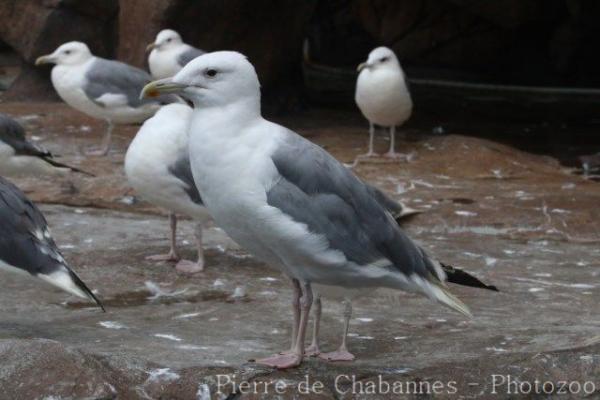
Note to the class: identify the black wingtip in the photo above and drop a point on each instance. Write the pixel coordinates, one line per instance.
(55, 163)
(86, 290)
(460, 277)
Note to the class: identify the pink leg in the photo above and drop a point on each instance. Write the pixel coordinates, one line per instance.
(294, 358)
(106, 142)
(342, 354)
(296, 294)
(369, 153)
(172, 256)
(191, 267)
(313, 350)
(392, 153)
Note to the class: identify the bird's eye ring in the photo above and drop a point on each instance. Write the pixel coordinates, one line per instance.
(169, 39)
(67, 52)
(384, 59)
(211, 73)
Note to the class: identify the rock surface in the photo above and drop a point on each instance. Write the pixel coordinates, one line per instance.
(517, 220)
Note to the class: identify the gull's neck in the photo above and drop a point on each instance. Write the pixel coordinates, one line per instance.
(240, 112)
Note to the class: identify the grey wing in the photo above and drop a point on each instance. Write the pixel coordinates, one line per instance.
(13, 134)
(109, 77)
(188, 55)
(317, 190)
(183, 171)
(393, 207)
(25, 241)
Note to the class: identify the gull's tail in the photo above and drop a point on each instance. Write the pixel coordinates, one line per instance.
(405, 214)
(67, 280)
(443, 296)
(433, 285)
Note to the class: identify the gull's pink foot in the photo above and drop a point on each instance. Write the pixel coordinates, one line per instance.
(392, 155)
(339, 355)
(172, 257)
(365, 156)
(312, 351)
(282, 361)
(189, 267)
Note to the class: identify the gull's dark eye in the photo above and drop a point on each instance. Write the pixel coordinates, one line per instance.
(383, 59)
(169, 39)
(67, 52)
(211, 72)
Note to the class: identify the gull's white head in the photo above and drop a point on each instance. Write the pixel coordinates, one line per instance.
(380, 58)
(165, 40)
(71, 53)
(212, 80)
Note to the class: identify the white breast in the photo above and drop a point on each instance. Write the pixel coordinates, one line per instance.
(159, 143)
(383, 98)
(163, 63)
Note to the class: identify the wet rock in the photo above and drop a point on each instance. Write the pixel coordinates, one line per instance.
(39, 368)
(514, 219)
(569, 373)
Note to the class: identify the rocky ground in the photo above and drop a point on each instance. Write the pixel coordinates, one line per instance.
(520, 221)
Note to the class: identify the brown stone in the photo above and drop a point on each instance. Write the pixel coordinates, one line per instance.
(38, 27)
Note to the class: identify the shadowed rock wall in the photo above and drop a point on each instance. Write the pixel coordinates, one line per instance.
(514, 41)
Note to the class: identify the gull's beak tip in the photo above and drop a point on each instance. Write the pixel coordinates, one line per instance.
(150, 47)
(361, 66)
(41, 61)
(149, 91)
(160, 87)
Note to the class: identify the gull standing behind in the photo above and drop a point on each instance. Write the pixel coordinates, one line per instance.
(27, 247)
(19, 157)
(101, 88)
(157, 165)
(382, 95)
(168, 54)
(287, 200)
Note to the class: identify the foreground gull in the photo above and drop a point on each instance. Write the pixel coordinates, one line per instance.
(157, 165)
(287, 200)
(169, 54)
(18, 156)
(382, 95)
(101, 88)
(27, 247)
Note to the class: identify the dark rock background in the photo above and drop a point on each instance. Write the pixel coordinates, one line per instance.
(545, 42)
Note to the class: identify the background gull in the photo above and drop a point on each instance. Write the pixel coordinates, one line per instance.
(101, 88)
(168, 54)
(26, 245)
(288, 201)
(18, 156)
(157, 166)
(382, 95)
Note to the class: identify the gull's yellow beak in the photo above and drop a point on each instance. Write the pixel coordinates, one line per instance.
(150, 47)
(162, 86)
(362, 66)
(47, 59)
